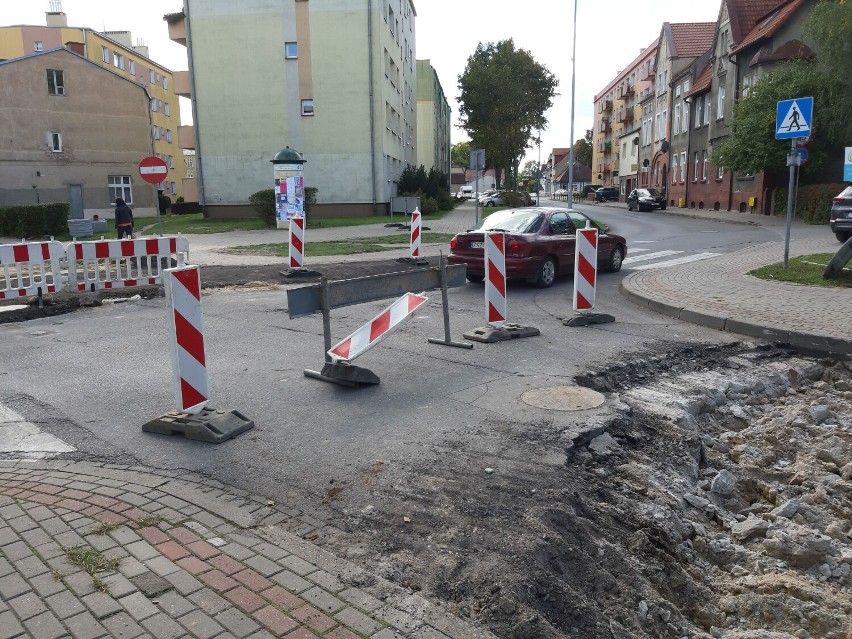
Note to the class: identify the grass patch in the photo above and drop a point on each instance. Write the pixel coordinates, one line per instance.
(90, 559)
(806, 270)
(103, 528)
(197, 223)
(150, 520)
(342, 247)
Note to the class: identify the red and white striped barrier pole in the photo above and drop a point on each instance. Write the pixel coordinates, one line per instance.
(495, 278)
(416, 232)
(377, 329)
(189, 363)
(297, 242)
(585, 269)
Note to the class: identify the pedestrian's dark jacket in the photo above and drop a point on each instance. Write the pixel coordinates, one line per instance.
(123, 214)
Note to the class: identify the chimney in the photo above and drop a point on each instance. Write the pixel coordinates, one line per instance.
(141, 48)
(55, 17)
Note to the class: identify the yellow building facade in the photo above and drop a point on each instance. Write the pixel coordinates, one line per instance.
(113, 50)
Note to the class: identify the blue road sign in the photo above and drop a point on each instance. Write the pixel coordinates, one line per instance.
(793, 118)
(803, 153)
(847, 165)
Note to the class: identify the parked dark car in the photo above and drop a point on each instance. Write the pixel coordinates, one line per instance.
(646, 200)
(606, 193)
(540, 244)
(841, 215)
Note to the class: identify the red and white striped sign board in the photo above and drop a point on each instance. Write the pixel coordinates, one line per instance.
(121, 263)
(416, 232)
(585, 269)
(495, 278)
(183, 293)
(25, 268)
(297, 242)
(153, 170)
(378, 328)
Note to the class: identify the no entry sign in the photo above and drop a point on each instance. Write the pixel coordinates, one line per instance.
(153, 170)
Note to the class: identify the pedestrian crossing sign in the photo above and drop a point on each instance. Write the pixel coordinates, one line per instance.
(793, 118)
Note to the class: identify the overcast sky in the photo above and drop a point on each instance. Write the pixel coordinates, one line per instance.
(610, 34)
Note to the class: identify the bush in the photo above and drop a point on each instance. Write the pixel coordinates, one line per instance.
(179, 199)
(34, 220)
(516, 198)
(310, 198)
(264, 203)
(428, 205)
(184, 208)
(165, 203)
(813, 204)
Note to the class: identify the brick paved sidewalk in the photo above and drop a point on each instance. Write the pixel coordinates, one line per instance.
(168, 558)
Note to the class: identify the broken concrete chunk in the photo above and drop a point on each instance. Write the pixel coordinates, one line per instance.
(724, 483)
(751, 527)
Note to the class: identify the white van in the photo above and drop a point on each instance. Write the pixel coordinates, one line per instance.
(465, 191)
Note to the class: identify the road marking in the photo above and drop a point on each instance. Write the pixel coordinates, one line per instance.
(650, 256)
(680, 260)
(26, 440)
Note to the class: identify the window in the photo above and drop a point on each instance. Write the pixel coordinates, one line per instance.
(131, 67)
(54, 141)
(658, 128)
(119, 187)
(55, 82)
(720, 103)
(118, 60)
(307, 107)
(152, 77)
(391, 20)
(746, 85)
(665, 124)
(685, 116)
(153, 104)
(720, 172)
(704, 165)
(165, 82)
(38, 45)
(699, 112)
(676, 119)
(166, 109)
(173, 187)
(156, 133)
(674, 168)
(683, 166)
(695, 169)
(291, 50)
(105, 56)
(171, 162)
(168, 135)
(707, 109)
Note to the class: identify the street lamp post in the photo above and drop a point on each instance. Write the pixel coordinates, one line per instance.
(571, 136)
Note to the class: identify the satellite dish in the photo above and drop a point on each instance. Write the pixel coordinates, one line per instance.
(664, 146)
(645, 162)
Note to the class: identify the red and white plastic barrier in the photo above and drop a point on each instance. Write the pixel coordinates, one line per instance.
(189, 363)
(416, 232)
(297, 242)
(30, 269)
(107, 264)
(495, 278)
(378, 328)
(585, 269)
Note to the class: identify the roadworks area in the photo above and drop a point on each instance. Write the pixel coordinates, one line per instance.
(716, 504)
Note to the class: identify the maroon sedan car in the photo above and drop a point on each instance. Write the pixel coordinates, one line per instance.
(540, 244)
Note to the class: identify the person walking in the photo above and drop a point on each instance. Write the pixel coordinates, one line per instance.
(123, 219)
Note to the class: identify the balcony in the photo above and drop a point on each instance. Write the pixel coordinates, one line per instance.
(177, 27)
(605, 106)
(182, 84)
(629, 89)
(625, 116)
(605, 126)
(186, 137)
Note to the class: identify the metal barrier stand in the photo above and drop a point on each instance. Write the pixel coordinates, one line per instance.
(447, 341)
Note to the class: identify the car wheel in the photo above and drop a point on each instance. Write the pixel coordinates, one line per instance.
(643, 209)
(630, 206)
(841, 237)
(616, 258)
(546, 273)
(476, 279)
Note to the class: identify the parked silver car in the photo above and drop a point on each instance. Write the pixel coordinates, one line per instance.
(841, 215)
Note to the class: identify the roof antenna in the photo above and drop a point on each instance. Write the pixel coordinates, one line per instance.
(56, 6)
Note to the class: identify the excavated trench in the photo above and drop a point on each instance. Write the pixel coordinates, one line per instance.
(716, 504)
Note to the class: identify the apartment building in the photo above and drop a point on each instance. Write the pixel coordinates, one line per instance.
(112, 50)
(63, 142)
(618, 123)
(679, 46)
(433, 120)
(332, 79)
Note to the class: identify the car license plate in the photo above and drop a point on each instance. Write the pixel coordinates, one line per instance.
(477, 245)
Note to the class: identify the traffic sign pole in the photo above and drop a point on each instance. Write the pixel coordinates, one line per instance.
(792, 161)
(793, 119)
(154, 170)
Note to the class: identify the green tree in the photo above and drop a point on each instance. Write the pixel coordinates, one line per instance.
(460, 154)
(583, 152)
(504, 95)
(828, 78)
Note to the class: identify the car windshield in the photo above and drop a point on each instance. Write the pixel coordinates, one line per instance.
(654, 192)
(510, 221)
(645, 193)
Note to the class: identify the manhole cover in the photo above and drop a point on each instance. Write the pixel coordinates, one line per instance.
(563, 398)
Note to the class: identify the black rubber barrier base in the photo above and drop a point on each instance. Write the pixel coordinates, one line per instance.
(414, 261)
(585, 319)
(210, 425)
(300, 272)
(488, 334)
(344, 375)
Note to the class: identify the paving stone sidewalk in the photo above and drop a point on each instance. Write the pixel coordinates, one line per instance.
(169, 556)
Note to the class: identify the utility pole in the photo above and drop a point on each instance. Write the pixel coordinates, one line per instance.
(571, 137)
